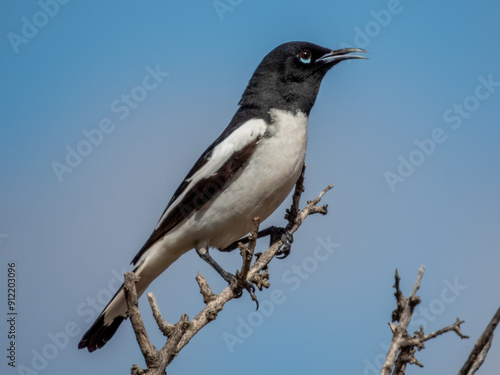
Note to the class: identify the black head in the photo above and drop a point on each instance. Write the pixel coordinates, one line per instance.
(289, 77)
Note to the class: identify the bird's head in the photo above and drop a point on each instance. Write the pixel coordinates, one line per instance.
(289, 76)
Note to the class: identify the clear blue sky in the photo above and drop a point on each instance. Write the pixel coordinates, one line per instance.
(408, 137)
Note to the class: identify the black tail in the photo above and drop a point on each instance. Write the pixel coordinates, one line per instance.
(100, 332)
(115, 311)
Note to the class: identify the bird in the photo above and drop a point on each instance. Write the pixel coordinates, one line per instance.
(247, 172)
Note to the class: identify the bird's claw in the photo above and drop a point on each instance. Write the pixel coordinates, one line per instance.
(251, 290)
(247, 285)
(287, 239)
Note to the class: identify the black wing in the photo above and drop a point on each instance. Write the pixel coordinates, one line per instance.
(204, 190)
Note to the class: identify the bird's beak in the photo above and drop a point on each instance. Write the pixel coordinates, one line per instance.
(337, 55)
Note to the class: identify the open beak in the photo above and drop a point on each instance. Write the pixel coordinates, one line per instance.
(337, 55)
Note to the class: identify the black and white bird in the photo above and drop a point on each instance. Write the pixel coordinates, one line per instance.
(247, 172)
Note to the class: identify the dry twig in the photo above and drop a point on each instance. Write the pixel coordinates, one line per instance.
(246, 252)
(478, 354)
(181, 333)
(404, 346)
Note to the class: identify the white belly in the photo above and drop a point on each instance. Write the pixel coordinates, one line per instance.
(260, 187)
(257, 190)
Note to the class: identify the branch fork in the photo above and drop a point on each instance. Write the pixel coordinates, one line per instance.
(179, 334)
(404, 346)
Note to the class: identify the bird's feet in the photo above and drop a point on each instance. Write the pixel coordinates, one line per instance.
(235, 284)
(284, 235)
(275, 234)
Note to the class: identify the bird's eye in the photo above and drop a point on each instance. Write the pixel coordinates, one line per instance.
(305, 56)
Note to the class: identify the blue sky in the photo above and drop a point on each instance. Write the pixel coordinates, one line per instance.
(408, 137)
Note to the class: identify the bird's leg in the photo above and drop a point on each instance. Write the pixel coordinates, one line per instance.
(287, 239)
(202, 251)
(275, 234)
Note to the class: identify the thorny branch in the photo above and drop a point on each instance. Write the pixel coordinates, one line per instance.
(404, 346)
(179, 334)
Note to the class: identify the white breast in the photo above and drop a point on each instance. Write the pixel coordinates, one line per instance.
(261, 186)
(240, 138)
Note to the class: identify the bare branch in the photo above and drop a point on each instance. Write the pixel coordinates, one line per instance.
(247, 252)
(254, 275)
(293, 211)
(148, 349)
(406, 356)
(205, 290)
(403, 314)
(261, 280)
(481, 348)
(270, 253)
(182, 332)
(416, 286)
(165, 327)
(403, 346)
(455, 327)
(170, 349)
